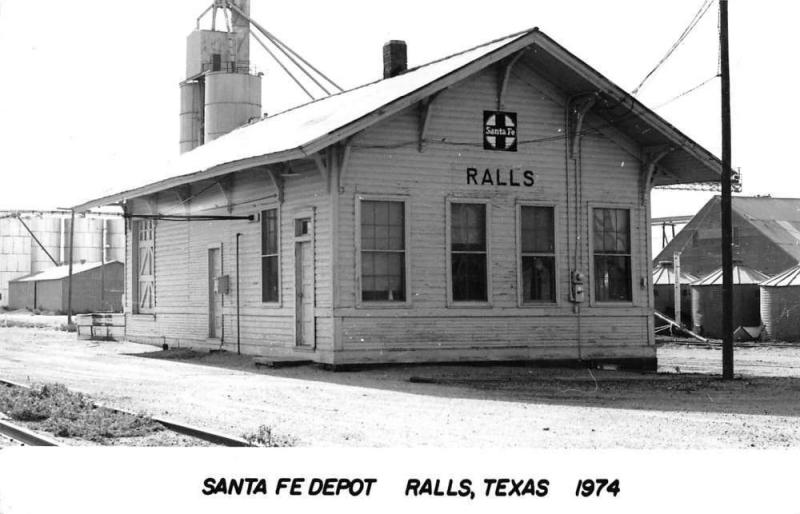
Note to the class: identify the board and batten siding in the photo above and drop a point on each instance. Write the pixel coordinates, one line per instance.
(181, 266)
(385, 161)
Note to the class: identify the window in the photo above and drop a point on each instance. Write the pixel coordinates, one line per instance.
(269, 256)
(612, 255)
(144, 238)
(538, 260)
(468, 252)
(383, 251)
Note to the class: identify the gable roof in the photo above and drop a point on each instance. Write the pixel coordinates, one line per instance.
(778, 219)
(302, 131)
(61, 272)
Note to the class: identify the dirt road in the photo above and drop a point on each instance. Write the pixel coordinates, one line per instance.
(443, 406)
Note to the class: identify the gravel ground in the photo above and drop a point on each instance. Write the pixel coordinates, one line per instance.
(441, 406)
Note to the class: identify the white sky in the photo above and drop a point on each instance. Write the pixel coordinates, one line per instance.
(89, 90)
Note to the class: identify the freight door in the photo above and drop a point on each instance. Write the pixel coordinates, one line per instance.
(214, 294)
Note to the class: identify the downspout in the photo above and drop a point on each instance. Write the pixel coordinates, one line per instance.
(238, 325)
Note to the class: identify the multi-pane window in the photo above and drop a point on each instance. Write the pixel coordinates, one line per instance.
(612, 255)
(468, 252)
(144, 233)
(383, 251)
(269, 256)
(538, 259)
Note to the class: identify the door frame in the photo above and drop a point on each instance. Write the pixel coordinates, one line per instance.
(217, 336)
(310, 240)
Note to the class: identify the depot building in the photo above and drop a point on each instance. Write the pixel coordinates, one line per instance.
(492, 205)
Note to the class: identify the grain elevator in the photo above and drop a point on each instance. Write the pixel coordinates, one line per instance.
(220, 92)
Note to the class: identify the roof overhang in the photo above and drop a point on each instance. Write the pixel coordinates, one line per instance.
(687, 162)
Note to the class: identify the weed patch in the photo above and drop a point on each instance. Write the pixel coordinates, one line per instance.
(266, 436)
(53, 408)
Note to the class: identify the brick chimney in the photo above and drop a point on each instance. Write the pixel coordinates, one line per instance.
(395, 58)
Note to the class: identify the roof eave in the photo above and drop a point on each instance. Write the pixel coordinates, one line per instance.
(320, 143)
(607, 87)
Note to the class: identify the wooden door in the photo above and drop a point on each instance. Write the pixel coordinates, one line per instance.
(304, 294)
(214, 295)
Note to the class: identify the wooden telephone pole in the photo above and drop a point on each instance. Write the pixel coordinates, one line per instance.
(727, 226)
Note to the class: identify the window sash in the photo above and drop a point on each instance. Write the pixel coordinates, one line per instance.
(612, 255)
(469, 273)
(270, 256)
(537, 254)
(382, 251)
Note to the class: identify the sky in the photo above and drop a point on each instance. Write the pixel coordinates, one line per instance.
(89, 91)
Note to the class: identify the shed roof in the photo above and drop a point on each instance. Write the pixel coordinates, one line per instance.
(61, 272)
(742, 275)
(302, 131)
(664, 274)
(789, 278)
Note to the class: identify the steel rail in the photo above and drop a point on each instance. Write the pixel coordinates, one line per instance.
(25, 436)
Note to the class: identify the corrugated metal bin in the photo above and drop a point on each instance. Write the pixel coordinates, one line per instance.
(707, 300)
(780, 306)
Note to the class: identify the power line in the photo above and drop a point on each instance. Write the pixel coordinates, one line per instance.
(692, 24)
(688, 91)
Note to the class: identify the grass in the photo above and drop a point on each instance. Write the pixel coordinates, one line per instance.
(55, 409)
(266, 436)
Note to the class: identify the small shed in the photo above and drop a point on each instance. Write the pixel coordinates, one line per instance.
(707, 300)
(664, 292)
(97, 287)
(780, 305)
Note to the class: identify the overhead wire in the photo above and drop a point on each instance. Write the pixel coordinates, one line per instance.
(688, 91)
(692, 24)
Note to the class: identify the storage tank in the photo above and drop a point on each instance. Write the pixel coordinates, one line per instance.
(232, 100)
(707, 300)
(780, 306)
(191, 115)
(664, 292)
(48, 232)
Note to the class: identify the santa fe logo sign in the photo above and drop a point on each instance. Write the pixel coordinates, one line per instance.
(500, 131)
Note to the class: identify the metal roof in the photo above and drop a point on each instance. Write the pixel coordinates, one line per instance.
(778, 219)
(664, 275)
(789, 278)
(61, 272)
(742, 275)
(302, 131)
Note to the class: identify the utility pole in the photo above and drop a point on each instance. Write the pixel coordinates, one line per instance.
(71, 253)
(727, 228)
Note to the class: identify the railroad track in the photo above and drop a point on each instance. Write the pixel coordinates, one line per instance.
(21, 436)
(174, 426)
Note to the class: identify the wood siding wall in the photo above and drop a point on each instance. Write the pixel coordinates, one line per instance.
(385, 161)
(181, 266)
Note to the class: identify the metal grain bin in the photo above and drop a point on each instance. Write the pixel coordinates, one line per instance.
(780, 305)
(707, 300)
(664, 292)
